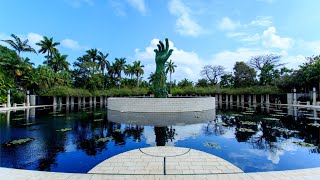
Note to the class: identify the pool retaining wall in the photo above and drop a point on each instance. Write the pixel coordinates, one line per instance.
(161, 104)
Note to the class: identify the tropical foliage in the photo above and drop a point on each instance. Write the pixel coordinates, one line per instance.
(94, 74)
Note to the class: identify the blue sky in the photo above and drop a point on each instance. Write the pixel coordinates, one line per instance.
(201, 32)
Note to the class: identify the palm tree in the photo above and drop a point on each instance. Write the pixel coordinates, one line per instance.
(129, 70)
(138, 70)
(92, 54)
(170, 67)
(20, 46)
(119, 66)
(48, 46)
(103, 62)
(58, 62)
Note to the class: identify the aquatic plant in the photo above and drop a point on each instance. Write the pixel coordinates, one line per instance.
(212, 145)
(96, 120)
(117, 130)
(17, 119)
(64, 130)
(271, 119)
(314, 124)
(18, 142)
(246, 130)
(248, 123)
(104, 139)
(304, 144)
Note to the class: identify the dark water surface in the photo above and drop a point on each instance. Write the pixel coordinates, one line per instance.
(253, 138)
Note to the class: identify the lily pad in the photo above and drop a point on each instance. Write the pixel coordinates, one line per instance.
(58, 115)
(64, 130)
(97, 114)
(246, 113)
(212, 145)
(277, 115)
(104, 139)
(314, 124)
(96, 120)
(248, 123)
(117, 130)
(246, 130)
(236, 115)
(271, 119)
(304, 144)
(17, 119)
(18, 142)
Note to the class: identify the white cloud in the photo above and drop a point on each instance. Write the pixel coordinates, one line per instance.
(310, 46)
(72, 44)
(227, 58)
(227, 24)
(138, 4)
(189, 64)
(271, 40)
(33, 39)
(185, 24)
(244, 37)
(262, 21)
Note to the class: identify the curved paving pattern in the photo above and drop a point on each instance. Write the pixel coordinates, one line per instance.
(165, 161)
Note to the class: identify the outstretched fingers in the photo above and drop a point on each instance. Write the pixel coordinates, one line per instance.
(159, 47)
(167, 44)
(162, 45)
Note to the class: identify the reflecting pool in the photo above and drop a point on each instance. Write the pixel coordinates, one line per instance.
(75, 139)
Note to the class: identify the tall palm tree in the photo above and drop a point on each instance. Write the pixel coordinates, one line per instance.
(129, 70)
(170, 67)
(47, 46)
(103, 62)
(20, 46)
(138, 70)
(119, 66)
(92, 54)
(58, 62)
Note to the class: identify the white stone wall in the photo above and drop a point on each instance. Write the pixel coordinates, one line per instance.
(161, 104)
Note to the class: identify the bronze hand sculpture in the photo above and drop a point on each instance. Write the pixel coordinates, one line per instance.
(162, 55)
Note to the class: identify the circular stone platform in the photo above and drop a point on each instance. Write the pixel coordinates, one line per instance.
(165, 160)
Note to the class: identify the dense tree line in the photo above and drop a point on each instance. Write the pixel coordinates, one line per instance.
(93, 71)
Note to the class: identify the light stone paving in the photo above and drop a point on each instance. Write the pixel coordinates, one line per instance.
(165, 160)
(151, 160)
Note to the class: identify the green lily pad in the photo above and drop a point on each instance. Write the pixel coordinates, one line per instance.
(58, 115)
(271, 119)
(236, 115)
(117, 130)
(246, 130)
(96, 120)
(314, 124)
(17, 119)
(303, 144)
(248, 123)
(97, 114)
(18, 142)
(64, 130)
(212, 145)
(104, 139)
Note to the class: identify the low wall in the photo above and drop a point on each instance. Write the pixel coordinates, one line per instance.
(161, 104)
(161, 119)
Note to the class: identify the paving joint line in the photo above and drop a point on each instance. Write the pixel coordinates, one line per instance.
(189, 149)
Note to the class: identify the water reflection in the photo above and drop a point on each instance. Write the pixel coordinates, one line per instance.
(254, 137)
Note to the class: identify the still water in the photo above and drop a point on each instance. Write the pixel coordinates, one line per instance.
(72, 139)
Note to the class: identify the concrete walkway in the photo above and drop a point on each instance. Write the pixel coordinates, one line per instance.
(165, 160)
(162, 163)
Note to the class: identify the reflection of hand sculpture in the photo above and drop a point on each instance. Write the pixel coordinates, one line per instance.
(162, 55)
